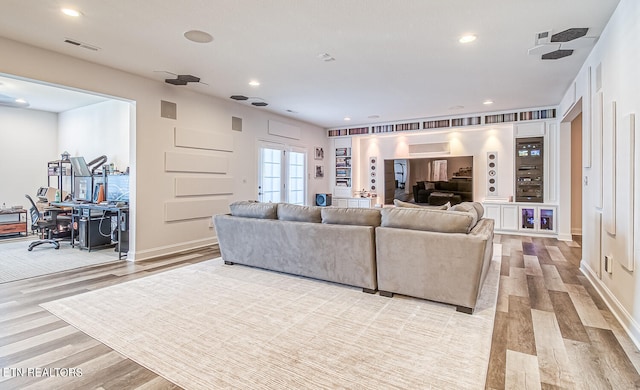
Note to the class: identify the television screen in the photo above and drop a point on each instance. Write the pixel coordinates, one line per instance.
(535, 152)
(523, 153)
(118, 188)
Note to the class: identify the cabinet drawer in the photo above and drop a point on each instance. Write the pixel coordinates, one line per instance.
(18, 227)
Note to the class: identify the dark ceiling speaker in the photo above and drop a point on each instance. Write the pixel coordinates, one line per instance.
(259, 104)
(239, 97)
(183, 79)
(555, 55)
(569, 34)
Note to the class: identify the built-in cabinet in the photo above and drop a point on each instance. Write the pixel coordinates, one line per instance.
(529, 169)
(524, 218)
(352, 202)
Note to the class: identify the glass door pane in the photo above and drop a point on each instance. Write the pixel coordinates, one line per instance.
(296, 193)
(528, 218)
(546, 219)
(270, 185)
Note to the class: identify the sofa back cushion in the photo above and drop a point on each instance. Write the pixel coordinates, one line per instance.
(351, 216)
(467, 206)
(444, 221)
(254, 210)
(399, 203)
(297, 213)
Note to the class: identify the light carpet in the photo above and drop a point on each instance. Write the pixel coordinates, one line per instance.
(16, 262)
(212, 326)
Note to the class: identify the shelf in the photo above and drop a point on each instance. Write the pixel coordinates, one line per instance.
(438, 124)
(359, 131)
(408, 126)
(469, 121)
(382, 129)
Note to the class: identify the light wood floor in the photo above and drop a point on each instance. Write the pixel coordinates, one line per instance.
(551, 329)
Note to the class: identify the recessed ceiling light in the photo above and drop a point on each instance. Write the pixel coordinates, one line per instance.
(467, 38)
(487, 102)
(71, 12)
(326, 57)
(198, 36)
(21, 101)
(346, 118)
(254, 83)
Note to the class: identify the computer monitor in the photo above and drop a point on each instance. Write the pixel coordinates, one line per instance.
(118, 188)
(79, 166)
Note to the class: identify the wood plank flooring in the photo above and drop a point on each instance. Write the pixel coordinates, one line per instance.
(551, 330)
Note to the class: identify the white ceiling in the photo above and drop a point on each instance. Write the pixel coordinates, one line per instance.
(394, 59)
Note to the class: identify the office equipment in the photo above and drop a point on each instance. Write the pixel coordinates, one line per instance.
(79, 166)
(47, 224)
(82, 188)
(97, 234)
(117, 188)
(95, 222)
(42, 194)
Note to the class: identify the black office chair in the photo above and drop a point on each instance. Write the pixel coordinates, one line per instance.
(45, 224)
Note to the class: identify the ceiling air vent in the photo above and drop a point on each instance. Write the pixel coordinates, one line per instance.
(81, 44)
(543, 38)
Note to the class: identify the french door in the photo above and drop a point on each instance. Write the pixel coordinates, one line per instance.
(282, 174)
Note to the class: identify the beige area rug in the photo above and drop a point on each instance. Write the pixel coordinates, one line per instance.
(214, 326)
(16, 262)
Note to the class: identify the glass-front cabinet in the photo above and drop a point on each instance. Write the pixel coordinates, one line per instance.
(538, 219)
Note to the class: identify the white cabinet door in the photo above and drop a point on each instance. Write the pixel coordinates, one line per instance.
(492, 211)
(340, 202)
(509, 217)
(364, 203)
(353, 203)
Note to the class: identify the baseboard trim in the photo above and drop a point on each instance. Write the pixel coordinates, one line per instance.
(565, 237)
(171, 249)
(576, 231)
(622, 315)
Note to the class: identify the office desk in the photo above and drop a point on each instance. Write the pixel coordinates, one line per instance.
(82, 210)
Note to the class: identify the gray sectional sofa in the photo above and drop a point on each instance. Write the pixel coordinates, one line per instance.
(439, 255)
(333, 244)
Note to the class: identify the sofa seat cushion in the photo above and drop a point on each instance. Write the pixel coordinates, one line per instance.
(297, 213)
(248, 209)
(351, 216)
(444, 221)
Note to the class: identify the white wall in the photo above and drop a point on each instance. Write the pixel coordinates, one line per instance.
(96, 130)
(28, 142)
(474, 142)
(617, 51)
(151, 136)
